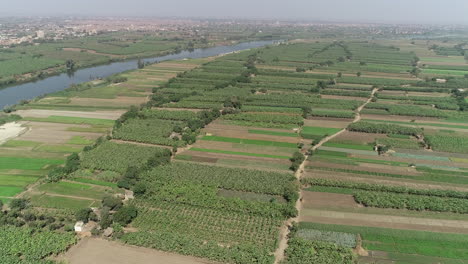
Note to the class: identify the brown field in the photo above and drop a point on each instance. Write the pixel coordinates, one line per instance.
(324, 200)
(53, 132)
(119, 101)
(322, 207)
(243, 148)
(326, 96)
(367, 167)
(209, 157)
(358, 137)
(46, 113)
(386, 221)
(100, 251)
(398, 118)
(335, 123)
(221, 130)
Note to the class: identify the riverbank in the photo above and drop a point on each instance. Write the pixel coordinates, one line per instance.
(13, 94)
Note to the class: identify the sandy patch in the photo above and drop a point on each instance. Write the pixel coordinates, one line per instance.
(46, 113)
(10, 130)
(95, 250)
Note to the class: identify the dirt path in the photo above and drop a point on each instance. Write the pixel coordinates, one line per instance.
(119, 141)
(96, 250)
(62, 195)
(284, 232)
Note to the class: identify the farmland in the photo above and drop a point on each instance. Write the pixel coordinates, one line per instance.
(280, 154)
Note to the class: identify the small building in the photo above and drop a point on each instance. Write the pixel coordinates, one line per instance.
(128, 195)
(441, 80)
(40, 34)
(79, 226)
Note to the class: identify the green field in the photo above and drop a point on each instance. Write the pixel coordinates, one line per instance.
(26, 163)
(431, 244)
(72, 120)
(240, 153)
(250, 141)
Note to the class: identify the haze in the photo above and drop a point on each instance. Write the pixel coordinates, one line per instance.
(389, 11)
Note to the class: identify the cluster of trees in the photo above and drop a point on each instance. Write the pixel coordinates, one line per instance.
(71, 164)
(368, 127)
(296, 160)
(113, 211)
(19, 215)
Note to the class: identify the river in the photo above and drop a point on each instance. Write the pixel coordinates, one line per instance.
(13, 94)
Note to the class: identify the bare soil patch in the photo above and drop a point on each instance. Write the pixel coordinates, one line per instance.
(243, 132)
(398, 118)
(340, 97)
(335, 123)
(386, 221)
(95, 250)
(379, 169)
(362, 138)
(235, 157)
(243, 148)
(119, 101)
(324, 200)
(53, 132)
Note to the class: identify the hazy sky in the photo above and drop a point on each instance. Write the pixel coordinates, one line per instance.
(412, 11)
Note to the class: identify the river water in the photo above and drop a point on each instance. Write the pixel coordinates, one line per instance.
(27, 91)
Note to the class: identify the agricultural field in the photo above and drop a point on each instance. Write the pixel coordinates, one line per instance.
(300, 152)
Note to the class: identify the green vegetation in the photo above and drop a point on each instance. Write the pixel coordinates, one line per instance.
(72, 120)
(8, 118)
(367, 127)
(240, 153)
(118, 157)
(27, 245)
(448, 144)
(26, 163)
(317, 132)
(250, 141)
(424, 243)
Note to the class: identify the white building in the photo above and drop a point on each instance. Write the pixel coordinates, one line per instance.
(79, 226)
(40, 34)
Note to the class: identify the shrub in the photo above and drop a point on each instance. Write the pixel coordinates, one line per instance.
(125, 215)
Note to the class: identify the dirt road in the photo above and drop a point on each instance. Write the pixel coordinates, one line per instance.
(284, 232)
